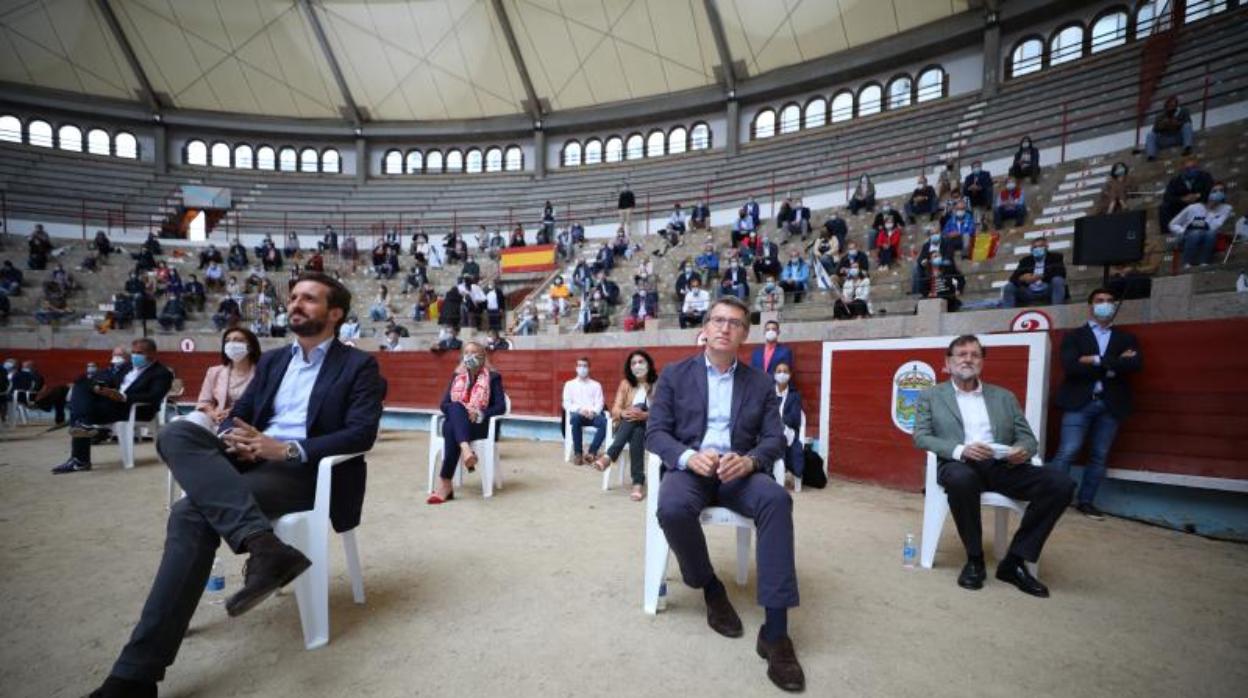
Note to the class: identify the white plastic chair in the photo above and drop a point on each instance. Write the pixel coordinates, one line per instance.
(127, 431)
(487, 454)
(936, 510)
(657, 549)
(567, 435)
(623, 465)
(18, 411)
(309, 532)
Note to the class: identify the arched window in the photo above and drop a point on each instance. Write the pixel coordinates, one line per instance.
(513, 161)
(790, 118)
(10, 129)
(39, 133)
(220, 154)
(98, 142)
(392, 162)
(494, 160)
(69, 137)
(677, 140)
(331, 161)
(593, 151)
(287, 160)
(243, 159)
(634, 147)
(615, 149)
(1066, 45)
(1027, 57)
(931, 84)
(454, 160)
(816, 113)
(126, 146)
(654, 144)
(433, 161)
(1109, 30)
(415, 163)
(899, 92)
(473, 161)
(869, 98)
(196, 153)
(309, 160)
(1200, 9)
(266, 158)
(843, 106)
(764, 124)
(571, 154)
(700, 136)
(1151, 17)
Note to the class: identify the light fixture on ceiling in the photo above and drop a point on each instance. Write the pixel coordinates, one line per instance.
(732, 94)
(157, 118)
(537, 124)
(358, 131)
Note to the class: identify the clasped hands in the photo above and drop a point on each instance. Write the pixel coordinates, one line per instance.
(980, 451)
(249, 444)
(727, 467)
(110, 393)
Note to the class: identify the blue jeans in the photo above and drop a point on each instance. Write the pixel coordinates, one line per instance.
(576, 423)
(1156, 141)
(1053, 294)
(1092, 420)
(1198, 246)
(1018, 214)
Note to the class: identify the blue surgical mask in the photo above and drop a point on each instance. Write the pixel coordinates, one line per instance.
(1038, 252)
(138, 360)
(1217, 197)
(934, 238)
(1103, 311)
(960, 214)
(853, 272)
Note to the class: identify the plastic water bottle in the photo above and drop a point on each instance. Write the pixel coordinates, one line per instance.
(662, 605)
(908, 552)
(215, 589)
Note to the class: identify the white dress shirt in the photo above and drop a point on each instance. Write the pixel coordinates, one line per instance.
(696, 301)
(290, 403)
(582, 394)
(131, 376)
(976, 425)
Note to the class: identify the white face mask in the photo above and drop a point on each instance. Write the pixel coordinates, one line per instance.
(770, 335)
(640, 369)
(235, 351)
(582, 371)
(782, 378)
(117, 360)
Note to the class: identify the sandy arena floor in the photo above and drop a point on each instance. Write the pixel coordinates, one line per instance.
(537, 592)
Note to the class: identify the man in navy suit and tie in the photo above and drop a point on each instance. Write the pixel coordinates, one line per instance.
(772, 353)
(715, 424)
(312, 399)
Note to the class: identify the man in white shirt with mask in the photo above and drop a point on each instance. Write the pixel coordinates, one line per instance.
(583, 401)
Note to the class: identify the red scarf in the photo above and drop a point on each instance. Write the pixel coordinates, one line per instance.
(476, 396)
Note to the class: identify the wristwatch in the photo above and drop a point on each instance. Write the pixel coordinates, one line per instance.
(754, 462)
(293, 455)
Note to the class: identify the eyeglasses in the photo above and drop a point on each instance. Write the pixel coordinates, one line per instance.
(721, 322)
(973, 355)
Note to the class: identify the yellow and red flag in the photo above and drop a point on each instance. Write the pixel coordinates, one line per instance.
(526, 259)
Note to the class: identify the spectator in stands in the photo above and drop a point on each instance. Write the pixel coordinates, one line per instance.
(152, 245)
(708, 262)
(1039, 276)
(214, 277)
(791, 416)
(391, 342)
(1113, 198)
(143, 260)
(784, 214)
(835, 226)
(98, 405)
(526, 325)
(696, 302)
(1196, 226)
(978, 186)
(604, 260)
(517, 237)
(173, 282)
(1026, 161)
(597, 312)
(626, 202)
(62, 278)
(291, 248)
(496, 342)
(736, 281)
(122, 313)
(752, 210)
(350, 329)
(685, 278)
(960, 227)
(644, 304)
(629, 412)
(578, 233)
(796, 276)
(855, 298)
(944, 282)
(55, 304)
(448, 340)
(10, 279)
(700, 216)
(1191, 185)
(330, 240)
(496, 244)
(772, 353)
(101, 244)
(559, 297)
(886, 213)
(350, 248)
(827, 250)
(237, 257)
(676, 223)
(228, 313)
(947, 180)
(620, 247)
(799, 222)
(25, 382)
(173, 315)
(888, 243)
(645, 268)
(1172, 127)
(496, 304)
(277, 327)
(471, 270)
(743, 227)
(226, 382)
(474, 396)
(934, 244)
(852, 256)
(379, 310)
(39, 247)
(950, 202)
(583, 402)
(546, 233)
(863, 196)
(315, 263)
(416, 277)
(922, 201)
(770, 298)
(393, 325)
(768, 260)
(426, 303)
(1011, 205)
(208, 255)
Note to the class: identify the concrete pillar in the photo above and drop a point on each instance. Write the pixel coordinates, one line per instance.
(160, 152)
(992, 59)
(732, 118)
(361, 161)
(539, 154)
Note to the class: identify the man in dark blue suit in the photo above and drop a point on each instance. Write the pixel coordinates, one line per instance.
(314, 398)
(772, 353)
(715, 423)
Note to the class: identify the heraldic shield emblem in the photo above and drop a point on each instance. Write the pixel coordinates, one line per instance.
(911, 378)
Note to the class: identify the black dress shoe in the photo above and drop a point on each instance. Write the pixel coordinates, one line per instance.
(722, 617)
(973, 575)
(124, 688)
(272, 565)
(1015, 572)
(83, 431)
(782, 666)
(73, 465)
(1089, 510)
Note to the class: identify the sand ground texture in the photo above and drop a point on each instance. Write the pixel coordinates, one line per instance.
(537, 592)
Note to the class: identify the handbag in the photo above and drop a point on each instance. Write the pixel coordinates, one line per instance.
(812, 472)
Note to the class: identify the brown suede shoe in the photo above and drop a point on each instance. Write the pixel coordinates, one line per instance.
(722, 617)
(271, 566)
(782, 666)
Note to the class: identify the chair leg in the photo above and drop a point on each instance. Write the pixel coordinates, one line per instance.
(125, 439)
(486, 459)
(312, 587)
(1001, 532)
(434, 455)
(743, 555)
(353, 565)
(935, 510)
(606, 478)
(657, 551)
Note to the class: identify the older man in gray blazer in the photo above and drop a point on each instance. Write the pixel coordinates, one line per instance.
(983, 443)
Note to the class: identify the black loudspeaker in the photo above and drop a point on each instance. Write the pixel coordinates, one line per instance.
(1115, 238)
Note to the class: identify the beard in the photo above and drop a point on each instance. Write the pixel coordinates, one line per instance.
(308, 327)
(965, 373)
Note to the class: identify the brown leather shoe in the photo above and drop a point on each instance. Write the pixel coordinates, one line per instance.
(722, 617)
(782, 666)
(272, 565)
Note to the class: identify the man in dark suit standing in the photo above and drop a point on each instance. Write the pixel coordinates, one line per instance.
(772, 353)
(96, 403)
(312, 399)
(715, 424)
(983, 443)
(1095, 396)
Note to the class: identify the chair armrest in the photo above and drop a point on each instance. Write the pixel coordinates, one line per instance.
(325, 478)
(134, 406)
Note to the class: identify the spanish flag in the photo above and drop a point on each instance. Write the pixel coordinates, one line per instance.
(526, 259)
